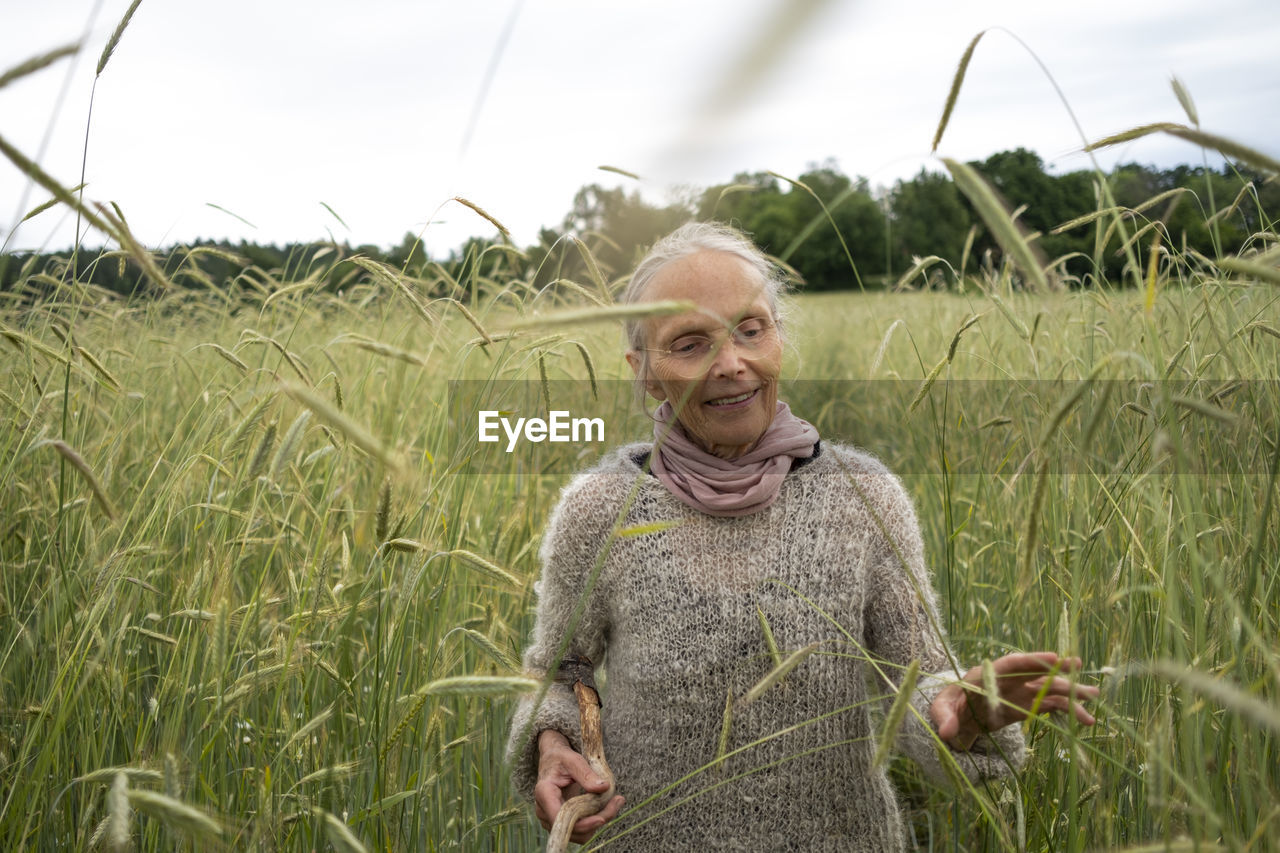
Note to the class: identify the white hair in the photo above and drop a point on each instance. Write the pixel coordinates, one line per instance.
(690, 239)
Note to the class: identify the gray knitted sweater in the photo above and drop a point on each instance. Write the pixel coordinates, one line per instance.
(674, 618)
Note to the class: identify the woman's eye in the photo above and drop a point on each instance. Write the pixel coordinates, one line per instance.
(686, 347)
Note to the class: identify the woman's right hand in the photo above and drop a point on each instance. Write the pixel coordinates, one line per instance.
(563, 773)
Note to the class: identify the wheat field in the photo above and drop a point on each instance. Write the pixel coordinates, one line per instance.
(256, 592)
(249, 600)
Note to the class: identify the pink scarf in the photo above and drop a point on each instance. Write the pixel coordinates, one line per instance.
(729, 487)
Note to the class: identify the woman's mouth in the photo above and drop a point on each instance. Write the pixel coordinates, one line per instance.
(734, 401)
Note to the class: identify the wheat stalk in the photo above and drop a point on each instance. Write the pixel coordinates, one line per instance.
(610, 314)
(289, 444)
(777, 673)
(358, 434)
(175, 813)
(110, 47)
(259, 462)
(138, 775)
(485, 567)
(957, 81)
(119, 833)
(774, 653)
(382, 516)
(86, 473)
(37, 63)
(479, 685)
(1227, 147)
(897, 713)
(484, 214)
(1003, 227)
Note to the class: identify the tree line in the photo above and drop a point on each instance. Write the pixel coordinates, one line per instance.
(838, 233)
(835, 231)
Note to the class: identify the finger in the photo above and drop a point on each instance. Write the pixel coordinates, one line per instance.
(1038, 691)
(1027, 664)
(1084, 691)
(614, 806)
(1067, 687)
(578, 768)
(1050, 704)
(606, 814)
(547, 800)
(960, 724)
(1020, 676)
(588, 826)
(1062, 704)
(1083, 715)
(585, 828)
(1034, 696)
(945, 716)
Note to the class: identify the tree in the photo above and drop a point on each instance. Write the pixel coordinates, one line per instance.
(755, 203)
(615, 226)
(792, 225)
(1046, 203)
(827, 261)
(410, 255)
(929, 218)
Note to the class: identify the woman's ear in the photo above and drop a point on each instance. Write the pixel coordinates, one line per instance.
(639, 365)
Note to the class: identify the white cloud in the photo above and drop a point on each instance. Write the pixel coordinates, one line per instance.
(269, 108)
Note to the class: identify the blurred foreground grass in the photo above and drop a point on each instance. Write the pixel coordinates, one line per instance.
(244, 601)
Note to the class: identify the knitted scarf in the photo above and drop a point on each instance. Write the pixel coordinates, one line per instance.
(729, 487)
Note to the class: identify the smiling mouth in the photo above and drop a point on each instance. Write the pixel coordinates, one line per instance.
(734, 400)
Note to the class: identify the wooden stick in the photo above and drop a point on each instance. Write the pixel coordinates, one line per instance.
(587, 804)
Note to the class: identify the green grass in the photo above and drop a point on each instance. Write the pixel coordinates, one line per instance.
(256, 621)
(247, 602)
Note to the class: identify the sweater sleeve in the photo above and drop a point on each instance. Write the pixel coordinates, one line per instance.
(576, 535)
(901, 624)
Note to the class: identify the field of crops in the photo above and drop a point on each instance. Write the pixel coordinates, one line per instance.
(261, 586)
(249, 599)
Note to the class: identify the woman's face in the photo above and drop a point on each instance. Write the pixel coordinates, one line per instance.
(723, 360)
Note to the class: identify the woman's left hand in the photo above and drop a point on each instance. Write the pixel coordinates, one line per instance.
(1030, 682)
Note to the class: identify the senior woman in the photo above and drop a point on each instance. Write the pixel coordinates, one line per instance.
(766, 530)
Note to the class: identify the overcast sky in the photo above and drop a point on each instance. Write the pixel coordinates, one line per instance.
(380, 109)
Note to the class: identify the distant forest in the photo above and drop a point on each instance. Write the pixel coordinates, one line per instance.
(832, 229)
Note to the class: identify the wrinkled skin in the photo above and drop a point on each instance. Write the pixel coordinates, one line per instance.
(961, 714)
(562, 774)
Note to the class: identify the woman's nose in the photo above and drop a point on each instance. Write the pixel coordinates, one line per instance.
(727, 359)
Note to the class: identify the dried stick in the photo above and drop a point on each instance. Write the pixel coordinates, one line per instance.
(577, 671)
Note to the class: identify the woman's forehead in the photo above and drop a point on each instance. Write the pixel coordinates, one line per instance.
(718, 282)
